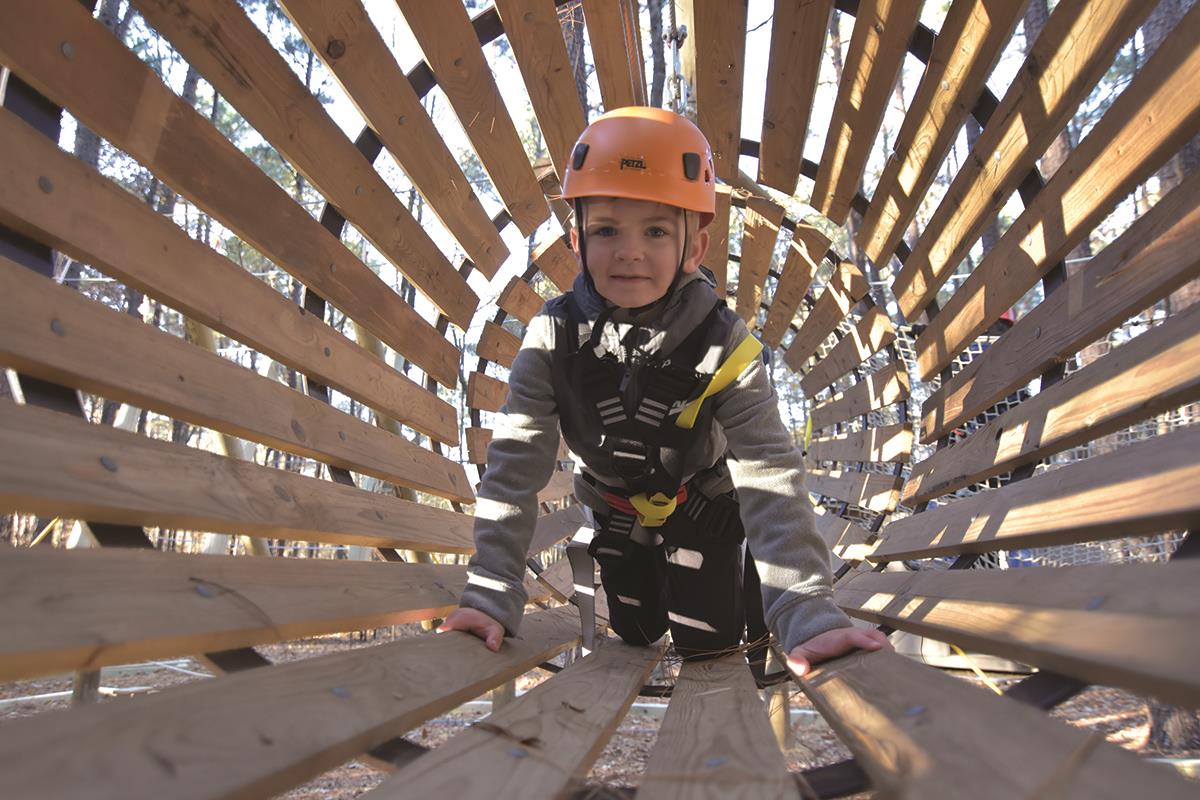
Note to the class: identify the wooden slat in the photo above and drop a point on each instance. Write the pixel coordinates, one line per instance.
(846, 539)
(557, 262)
(614, 35)
(715, 740)
(1154, 373)
(796, 275)
(556, 526)
(872, 333)
(535, 35)
(1127, 625)
(847, 285)
(55, 465)
(918, 733)
(797, 47)
(562, 484)
(875, 391)
(478, 440)
(1157, 254)
(890, 443)
(343, 36)
(451, 47)
(85, 609)
(1076, 47)
(868, 490)
(90, 218)
(1156, 115)
(497, 344)
(1148, 487)
(219, 39)
(520, 300)
(713, 56)
(57, 334)
(717, 259)
(966, 49)
(760, 232)
(112, 92)
(485, 392)
(269, 728)
(882, 29)
(537, 745)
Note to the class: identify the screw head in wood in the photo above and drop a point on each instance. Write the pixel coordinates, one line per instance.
(204, 590)
(57, 327)
(341, 691)
(45, 184)
(518, 752)
(68, 50)
(108, 463)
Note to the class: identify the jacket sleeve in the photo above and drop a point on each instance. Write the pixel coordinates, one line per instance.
(768, 471)
(520, 460)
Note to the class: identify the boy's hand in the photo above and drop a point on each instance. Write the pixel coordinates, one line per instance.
(831, 644)
(474, 621)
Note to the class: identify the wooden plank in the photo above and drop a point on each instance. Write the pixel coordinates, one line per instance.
(55, 465)
(219, 40)
(343, 36)
(1125, 625)
(795, 277)
(964, 53)
(498, 345)
(868, 490)
(451, 47)
(886, 444)
(715, 740)
(847, 285)
(872, 333)
(1156, 372)
(846, 539)
(1157, 254)
(797, 47)
(535, 35)
(116, 95)
(557, 262)
(1147, 487)
(537, 745)
(713, 57)
(57, 334)
(882, 29)
(556, 526)
(562, 484)
(760, 232)
(478, 440)
(69, 610)
(269, 728)
(717, 259)
(917, 732)
(95, 221)
(520, 300)
(875, 391)
(1075, 49)
(485, 392)
(615, 38)
(1156, 115)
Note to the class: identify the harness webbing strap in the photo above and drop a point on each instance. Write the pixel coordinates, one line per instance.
(737, 361)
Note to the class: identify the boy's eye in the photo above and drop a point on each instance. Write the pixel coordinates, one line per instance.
(603, 230)
(656, 232)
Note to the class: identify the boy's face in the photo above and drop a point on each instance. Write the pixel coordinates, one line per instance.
(634, 248)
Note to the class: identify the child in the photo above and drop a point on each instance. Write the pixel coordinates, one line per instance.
(659, 389)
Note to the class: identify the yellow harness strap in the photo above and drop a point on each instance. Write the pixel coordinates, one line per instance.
(737, 361)
(653, 511)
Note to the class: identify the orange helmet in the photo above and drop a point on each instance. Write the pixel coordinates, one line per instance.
(644, 153)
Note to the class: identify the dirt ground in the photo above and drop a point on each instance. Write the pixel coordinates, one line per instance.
(1121, 717)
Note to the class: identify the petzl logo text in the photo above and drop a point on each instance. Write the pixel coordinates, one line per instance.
(633, 163)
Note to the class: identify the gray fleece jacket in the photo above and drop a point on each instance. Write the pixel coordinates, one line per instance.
(765, 467)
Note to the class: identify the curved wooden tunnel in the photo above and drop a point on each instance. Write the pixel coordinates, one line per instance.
(937, 432)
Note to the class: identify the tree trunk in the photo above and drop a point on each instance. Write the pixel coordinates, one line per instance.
(571, 19)
(658, 76)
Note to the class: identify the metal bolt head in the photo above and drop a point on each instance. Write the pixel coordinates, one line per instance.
(204, 590)
(341, 691)
(45, 184)
(914, 711)
(108, 463)
(57, 327)
(335, 48)
(68, 50)
(519, 752)
(715, 761)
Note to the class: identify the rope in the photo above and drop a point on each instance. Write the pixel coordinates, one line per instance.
(991, 684)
